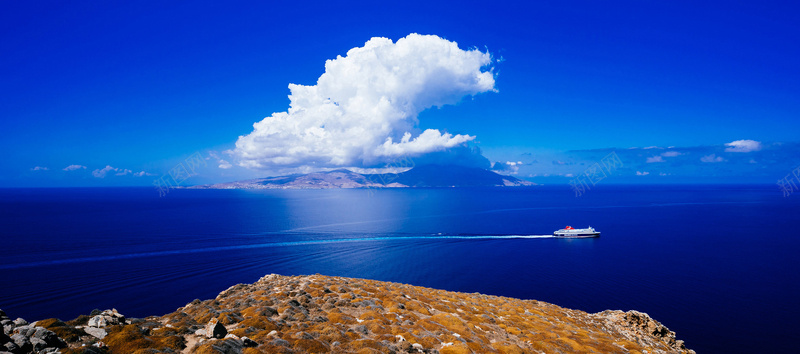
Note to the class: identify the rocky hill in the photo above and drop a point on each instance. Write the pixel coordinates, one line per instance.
(419, 176)
(315, 314)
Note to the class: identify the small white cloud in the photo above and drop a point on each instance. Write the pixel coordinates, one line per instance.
(652, 147)
(752, 161)
(101, 173)
(743, 146)
(671, 154)
(123, 172)
(429, 141)
(654, 159)
(74, 167)
(39, 168)
(143, 173)
(664, 174)
(509, 167)
(224, 164)
(712, 158)
(640, 173)
(569, 175)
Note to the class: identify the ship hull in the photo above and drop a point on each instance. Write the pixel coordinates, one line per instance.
(591, 235)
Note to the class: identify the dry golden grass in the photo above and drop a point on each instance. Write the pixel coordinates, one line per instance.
(345, 315)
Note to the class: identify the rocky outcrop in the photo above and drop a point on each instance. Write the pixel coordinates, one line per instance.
(638, 326)
(21, 337)
(106, 318)
(314, 314)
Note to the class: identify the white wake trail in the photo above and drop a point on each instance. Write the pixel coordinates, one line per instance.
(262, 245)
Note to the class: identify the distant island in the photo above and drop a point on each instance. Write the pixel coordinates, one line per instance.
(419, 176)
(320, 314)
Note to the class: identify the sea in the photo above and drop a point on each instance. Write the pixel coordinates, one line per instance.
(717, 264)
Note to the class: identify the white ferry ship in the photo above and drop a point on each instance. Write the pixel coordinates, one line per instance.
(569, 231)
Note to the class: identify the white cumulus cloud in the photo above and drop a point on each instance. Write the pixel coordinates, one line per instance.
(363, 110)
(671, 154)
(74, 167)
(654, 159)
(224, 164)
(101, 173)
(712, 158)
(640, 173)
(143, 173)
(39, 168)
(743, 146)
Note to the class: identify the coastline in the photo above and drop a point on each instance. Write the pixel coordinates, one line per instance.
(315, 313)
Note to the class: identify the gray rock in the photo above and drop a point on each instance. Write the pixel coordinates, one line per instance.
(106, 318)
(26, 330)
(302, 335)
(214, 329)
(98, 321)
(228, 346)
(248, 343)
(8, 326)
(361, 329)
(38, 344)
(20, 322)
(280, 342)
(22, 342)
(98, 333)
(43, 338)
(269, 311)
(11, 347)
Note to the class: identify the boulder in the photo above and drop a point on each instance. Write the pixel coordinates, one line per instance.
(22, 342)
(361, 329)
(44, 338)
(10, 347)
(269, 311)
(214, 329)
(248, 343)
(228, 346)
(280, 342)
(38, 344)
(302, 335)
(98, 333)
(20, 322)
(106, 318)
(26, 330)
(8, 326)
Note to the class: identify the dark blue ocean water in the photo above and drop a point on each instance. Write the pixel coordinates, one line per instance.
(716, 264)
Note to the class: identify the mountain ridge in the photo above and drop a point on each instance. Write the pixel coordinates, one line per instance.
(423, 176)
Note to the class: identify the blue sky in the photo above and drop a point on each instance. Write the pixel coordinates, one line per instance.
(142, 86)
